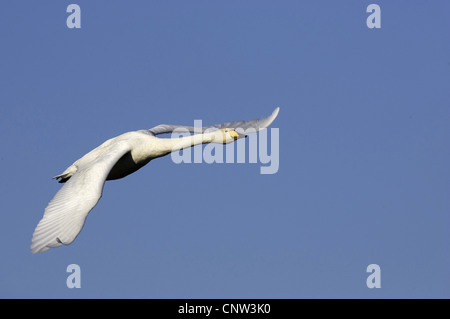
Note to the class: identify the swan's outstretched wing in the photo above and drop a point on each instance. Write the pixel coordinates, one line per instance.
(254, 125)
(65, 214)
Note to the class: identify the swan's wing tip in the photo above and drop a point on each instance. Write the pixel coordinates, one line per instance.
(276, 111)
(40, 245)
(39, 249)
(47, 233)
(266, 122)
(274, 115)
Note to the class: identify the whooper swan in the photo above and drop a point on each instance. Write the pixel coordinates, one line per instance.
(118, 157)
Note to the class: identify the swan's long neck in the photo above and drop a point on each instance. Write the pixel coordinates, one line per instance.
(176, 144)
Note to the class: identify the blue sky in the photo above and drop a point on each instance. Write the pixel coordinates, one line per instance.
(363, 164)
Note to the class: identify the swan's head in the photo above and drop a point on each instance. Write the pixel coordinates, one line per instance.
(225, 136)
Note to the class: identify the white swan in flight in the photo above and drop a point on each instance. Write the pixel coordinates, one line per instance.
(118, 157)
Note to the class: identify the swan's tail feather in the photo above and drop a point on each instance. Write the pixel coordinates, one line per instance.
(64, 177)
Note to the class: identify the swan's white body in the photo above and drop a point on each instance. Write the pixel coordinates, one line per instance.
(116, 158)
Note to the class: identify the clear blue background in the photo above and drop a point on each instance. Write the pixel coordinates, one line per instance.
(364, 147)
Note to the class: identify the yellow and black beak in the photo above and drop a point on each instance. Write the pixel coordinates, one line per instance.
(234, 134)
